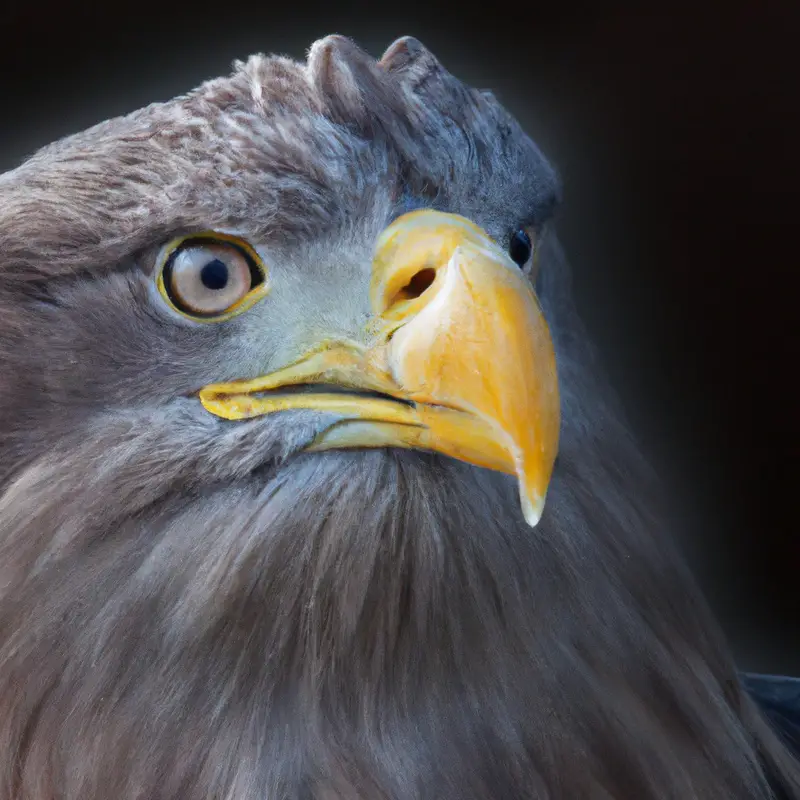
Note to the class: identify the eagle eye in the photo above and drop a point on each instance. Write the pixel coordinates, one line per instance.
(520, 247)
(211, 276)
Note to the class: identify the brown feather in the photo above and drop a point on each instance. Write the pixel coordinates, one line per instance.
(192, 609)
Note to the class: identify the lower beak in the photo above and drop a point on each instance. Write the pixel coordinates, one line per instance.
(460, 362)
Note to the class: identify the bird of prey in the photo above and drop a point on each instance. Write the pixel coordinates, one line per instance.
(312, 486)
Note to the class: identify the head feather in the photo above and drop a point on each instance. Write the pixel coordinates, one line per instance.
(193, 609)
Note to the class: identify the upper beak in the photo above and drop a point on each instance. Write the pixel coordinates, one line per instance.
(459, 351)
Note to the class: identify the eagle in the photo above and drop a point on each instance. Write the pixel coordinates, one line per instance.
(312, 485)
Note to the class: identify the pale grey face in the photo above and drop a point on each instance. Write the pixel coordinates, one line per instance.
(307, 163)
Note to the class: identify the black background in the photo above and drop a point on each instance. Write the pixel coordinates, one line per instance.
(676, 131)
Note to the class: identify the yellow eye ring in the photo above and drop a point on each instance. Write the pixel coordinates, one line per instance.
(178, 268)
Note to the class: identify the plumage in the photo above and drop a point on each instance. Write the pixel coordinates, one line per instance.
(194, 608)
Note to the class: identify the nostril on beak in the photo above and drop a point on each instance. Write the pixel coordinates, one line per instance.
(420, 282)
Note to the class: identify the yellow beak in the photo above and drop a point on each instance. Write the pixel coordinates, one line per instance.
(458, 351)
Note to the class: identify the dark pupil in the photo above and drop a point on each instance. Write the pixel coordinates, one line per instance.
(520, 248)
(214, 275)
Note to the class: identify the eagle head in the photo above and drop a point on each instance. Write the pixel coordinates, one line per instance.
(285, 366)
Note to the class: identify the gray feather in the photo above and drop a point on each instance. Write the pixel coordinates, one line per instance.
(191, 608)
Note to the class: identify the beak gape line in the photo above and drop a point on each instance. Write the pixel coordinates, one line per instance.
(458, 336)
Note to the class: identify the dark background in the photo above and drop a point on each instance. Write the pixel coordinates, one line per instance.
(676, 131)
